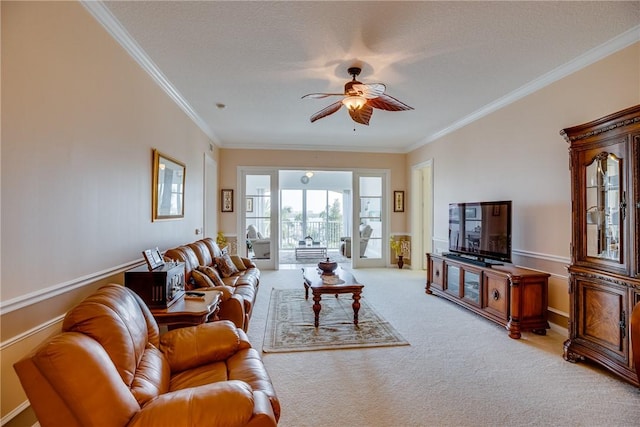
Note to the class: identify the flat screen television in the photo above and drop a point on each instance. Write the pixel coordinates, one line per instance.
(481, 230)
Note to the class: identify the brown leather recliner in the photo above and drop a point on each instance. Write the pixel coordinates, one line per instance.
(110, 367)
(245, 283)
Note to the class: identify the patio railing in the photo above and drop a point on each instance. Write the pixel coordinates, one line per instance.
(328, 233)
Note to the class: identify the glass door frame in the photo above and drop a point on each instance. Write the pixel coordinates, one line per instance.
(385, 203)
(273, 262)
(274, 228)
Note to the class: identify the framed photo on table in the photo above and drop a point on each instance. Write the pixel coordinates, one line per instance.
(153, 257)
(226, 200)
(398, 201)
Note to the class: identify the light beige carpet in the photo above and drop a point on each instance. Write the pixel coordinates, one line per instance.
(290, 324)
(460, 369)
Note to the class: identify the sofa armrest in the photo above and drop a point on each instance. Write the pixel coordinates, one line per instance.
(225, 403)
(233, 310)
(193, 346)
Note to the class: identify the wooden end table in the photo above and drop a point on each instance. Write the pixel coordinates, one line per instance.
(341, 282)
(189, 312)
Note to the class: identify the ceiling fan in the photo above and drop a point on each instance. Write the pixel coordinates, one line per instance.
(360, 100)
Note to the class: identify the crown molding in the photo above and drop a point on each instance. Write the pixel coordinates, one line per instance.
(104, 16)
(589, 57)
(341, 148)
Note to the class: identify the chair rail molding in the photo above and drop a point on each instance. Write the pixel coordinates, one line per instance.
(26, 300)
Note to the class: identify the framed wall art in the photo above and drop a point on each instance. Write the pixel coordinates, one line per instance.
(226, 200)
(167, 193)
(398, 201)
(249, 207)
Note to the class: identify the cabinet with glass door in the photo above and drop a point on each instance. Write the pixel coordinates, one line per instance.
(604, 274)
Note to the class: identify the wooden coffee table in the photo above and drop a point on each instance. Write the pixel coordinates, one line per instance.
(341, 282)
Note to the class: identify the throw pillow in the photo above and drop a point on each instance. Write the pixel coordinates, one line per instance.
(226, 267)
(201, 279)
(237, 261)
(248, 263)
(212, 274)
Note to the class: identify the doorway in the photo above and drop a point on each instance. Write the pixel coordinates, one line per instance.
(315, 216)
(342, 211)
(422, 212)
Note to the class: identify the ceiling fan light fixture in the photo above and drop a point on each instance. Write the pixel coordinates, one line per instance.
(354, 102)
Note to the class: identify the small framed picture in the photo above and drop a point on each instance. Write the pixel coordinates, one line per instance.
(226, 200)
(398, 201)
(153, 257)
(249, 207)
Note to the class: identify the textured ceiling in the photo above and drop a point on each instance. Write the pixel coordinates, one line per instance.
(451, 61)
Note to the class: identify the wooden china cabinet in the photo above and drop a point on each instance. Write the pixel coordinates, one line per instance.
(604, 275)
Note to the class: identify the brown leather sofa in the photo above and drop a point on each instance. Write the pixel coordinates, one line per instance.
(110, 367)
(244, 284)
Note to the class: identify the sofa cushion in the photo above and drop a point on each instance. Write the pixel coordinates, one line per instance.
(149, 381)
(201, 375)
(115, 317)
(190, 347)
(202, 252)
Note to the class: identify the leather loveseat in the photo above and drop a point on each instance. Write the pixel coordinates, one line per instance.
(110, 367)
(240, 287)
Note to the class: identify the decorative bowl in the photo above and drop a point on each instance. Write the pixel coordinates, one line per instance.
(327, 266)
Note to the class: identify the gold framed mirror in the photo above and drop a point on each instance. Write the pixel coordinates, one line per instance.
(167, 195)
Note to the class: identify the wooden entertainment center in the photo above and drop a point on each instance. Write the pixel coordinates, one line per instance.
(513, 297)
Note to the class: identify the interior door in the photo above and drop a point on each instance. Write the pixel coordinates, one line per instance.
(421, 214)
(259, 223)
(370, 219)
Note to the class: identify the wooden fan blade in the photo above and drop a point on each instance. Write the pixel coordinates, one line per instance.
(369, 90)
(326, 111)
(321, 95)
(389, 103)
(362, 115)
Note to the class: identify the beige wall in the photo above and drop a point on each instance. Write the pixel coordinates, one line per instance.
(517, 154)
(79, 121)
(231, 159)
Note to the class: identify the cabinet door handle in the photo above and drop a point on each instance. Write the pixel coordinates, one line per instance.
(623, 324)
(495, 294)
(623, 205)
(437, 273)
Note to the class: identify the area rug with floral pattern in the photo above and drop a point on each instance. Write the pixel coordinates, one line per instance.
(290, 327)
